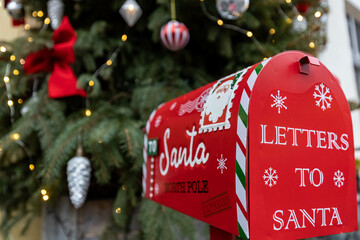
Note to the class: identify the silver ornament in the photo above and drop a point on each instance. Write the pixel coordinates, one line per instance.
(78, 177)
(55, 12)
(231, 9)
(299, 24)
(131, 12)
(16, 9)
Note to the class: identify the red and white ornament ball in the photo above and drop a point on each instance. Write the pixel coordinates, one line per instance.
(174, 35)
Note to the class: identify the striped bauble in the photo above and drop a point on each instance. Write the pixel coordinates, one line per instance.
(174, 35)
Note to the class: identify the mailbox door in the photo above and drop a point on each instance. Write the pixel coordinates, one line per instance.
(301, 154)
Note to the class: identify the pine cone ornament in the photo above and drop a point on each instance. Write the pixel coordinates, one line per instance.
(55, 12)
(78, 176)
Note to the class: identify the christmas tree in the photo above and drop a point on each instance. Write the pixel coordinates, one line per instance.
(88, 100)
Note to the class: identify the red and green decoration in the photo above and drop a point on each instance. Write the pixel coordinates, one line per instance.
(62, 80)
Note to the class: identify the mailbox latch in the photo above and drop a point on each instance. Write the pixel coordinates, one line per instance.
(304, 64)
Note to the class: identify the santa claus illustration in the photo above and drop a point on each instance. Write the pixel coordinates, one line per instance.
(216, 103)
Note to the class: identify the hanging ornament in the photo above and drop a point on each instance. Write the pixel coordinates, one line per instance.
(302, 7)
(16, 9)
(174, 35)
(299, 24)
(231, 9)
(131, 12)
(78, 176)
(55, 12)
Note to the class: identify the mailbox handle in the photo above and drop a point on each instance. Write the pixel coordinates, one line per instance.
(304, 64)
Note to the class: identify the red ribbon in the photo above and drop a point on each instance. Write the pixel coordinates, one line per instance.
(62, 81)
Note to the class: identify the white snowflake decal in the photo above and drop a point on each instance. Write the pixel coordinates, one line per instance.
(270, 177)
(158, 121)
(222, 164)
(278, 101)
(339, 178)
(322, 96)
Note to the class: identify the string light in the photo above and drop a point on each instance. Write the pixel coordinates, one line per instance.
(2, 49)
(6, 79)
(317, 14)
(34, 13)
(288, 21)
(31, 167)
(272, 31)
(12, 58)
(10, 103)
(123, 187)
(108, 62)
(27, 26)
(124, 37)
(265, 58)
(47, 21)
(43, 192)
(249, 34)
(16, 72)
(288, 1)
(22, 61)
(88, 112)
(91, 83)
(15, 136)
(220, 22)
(311, 44)
(100, 141)
(45, 197)
(40, 13)
(118, 210)
(20, 101)
(300, 18)
(30, 39)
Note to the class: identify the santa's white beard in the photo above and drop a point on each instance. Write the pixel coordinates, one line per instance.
(215, 106)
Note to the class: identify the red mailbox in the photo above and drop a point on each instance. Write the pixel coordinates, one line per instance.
(264, 153)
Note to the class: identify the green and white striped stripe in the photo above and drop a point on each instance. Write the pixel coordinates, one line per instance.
(240, 178)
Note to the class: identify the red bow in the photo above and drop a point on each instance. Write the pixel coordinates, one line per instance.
(62, 81)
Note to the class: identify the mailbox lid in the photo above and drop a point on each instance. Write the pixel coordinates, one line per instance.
(301, 163)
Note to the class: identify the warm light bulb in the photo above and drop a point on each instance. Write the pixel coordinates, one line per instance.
(47, 21)
(288, 21)
(272, 31)
(311, 44)
(16, 72)
(20, 101)
(2, 49)
(45, 198)
(317, 14)
(264, 58)
(31, 167)
(220, 22)
(10, 103)
(22, 61)
(88, 112)
(15, 136)
(12, 58)
(300, 18)
(124, 37)
(34, 13)
(6, 79)
(91, 83)
(288, 1)
(118, 210)
(123, 187)
(30, 39)
(40, 13)
(27, 26)
(100, 141)
(109, 62)
(43, 192)
(249, 34)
